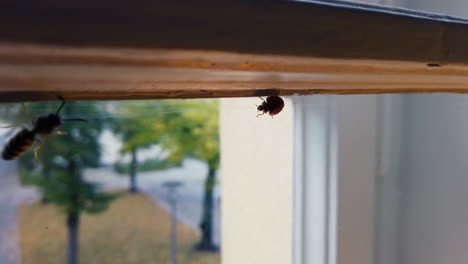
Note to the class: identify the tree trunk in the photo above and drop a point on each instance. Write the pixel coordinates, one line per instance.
(73, 216)
(46, 175)
(73, 223)
(206, 225)
(133, 168)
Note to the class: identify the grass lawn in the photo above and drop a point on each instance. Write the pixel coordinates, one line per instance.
(133, 230)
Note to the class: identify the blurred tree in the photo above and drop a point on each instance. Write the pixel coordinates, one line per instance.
(194, 132)
(62, 158)
(137, 133)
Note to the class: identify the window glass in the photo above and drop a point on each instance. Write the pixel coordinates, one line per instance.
(144, 181)
(110, 182)
(449, 7)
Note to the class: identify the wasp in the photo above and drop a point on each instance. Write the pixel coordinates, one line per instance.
(272, 105)
(43, 126)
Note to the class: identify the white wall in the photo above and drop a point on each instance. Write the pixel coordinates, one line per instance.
(388, 189)
(356, 139)
(435, 179)
(257, 182)
(434, 170)
(421, 185)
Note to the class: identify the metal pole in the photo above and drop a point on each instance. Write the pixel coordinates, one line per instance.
(171, 187)
(173, 226)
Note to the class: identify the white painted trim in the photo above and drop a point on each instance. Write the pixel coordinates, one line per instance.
(332, 181)
(335, 149)
(312, 152)
(298, 182)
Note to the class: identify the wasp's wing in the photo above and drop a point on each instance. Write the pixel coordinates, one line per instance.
(12, 115)
(12, 118)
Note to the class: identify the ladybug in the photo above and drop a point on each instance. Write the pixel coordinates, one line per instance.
(272, 105)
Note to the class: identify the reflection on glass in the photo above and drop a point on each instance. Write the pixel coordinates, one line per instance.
(449, 7)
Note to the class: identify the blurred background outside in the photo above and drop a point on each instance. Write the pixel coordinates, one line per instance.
(111, 189)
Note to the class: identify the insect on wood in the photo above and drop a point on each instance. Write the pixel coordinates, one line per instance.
(272, 105)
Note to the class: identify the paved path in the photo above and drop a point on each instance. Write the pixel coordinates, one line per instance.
(192, 174)
(190, 195)
(11, 195)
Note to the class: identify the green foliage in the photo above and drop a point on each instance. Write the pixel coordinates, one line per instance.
(73, 194)
(194, 131)
(182, 127)
(28, 176)
(137, 123)
(143, 130)
(147, 165)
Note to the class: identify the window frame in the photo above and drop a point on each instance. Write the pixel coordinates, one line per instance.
(347, 48)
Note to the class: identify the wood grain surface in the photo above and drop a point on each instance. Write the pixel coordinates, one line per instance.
(209, 48)
(31, 73)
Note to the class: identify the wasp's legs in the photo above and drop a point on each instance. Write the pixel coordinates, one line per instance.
(27, 113)
(36, 151)
(60, 133)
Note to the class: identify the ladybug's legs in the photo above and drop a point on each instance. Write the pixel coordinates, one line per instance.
(262, 113)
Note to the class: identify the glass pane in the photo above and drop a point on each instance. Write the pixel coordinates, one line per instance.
(449, 7)
(145, 181)
(402, 180)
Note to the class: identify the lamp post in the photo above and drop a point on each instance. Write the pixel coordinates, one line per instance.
(172, 194)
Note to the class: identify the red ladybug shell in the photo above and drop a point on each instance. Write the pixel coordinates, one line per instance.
(275, 104)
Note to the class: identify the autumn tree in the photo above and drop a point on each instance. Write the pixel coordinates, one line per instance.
(138, 125)
(194, 132)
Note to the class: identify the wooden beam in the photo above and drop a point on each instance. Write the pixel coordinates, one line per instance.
(31, 73)
(84, 49)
